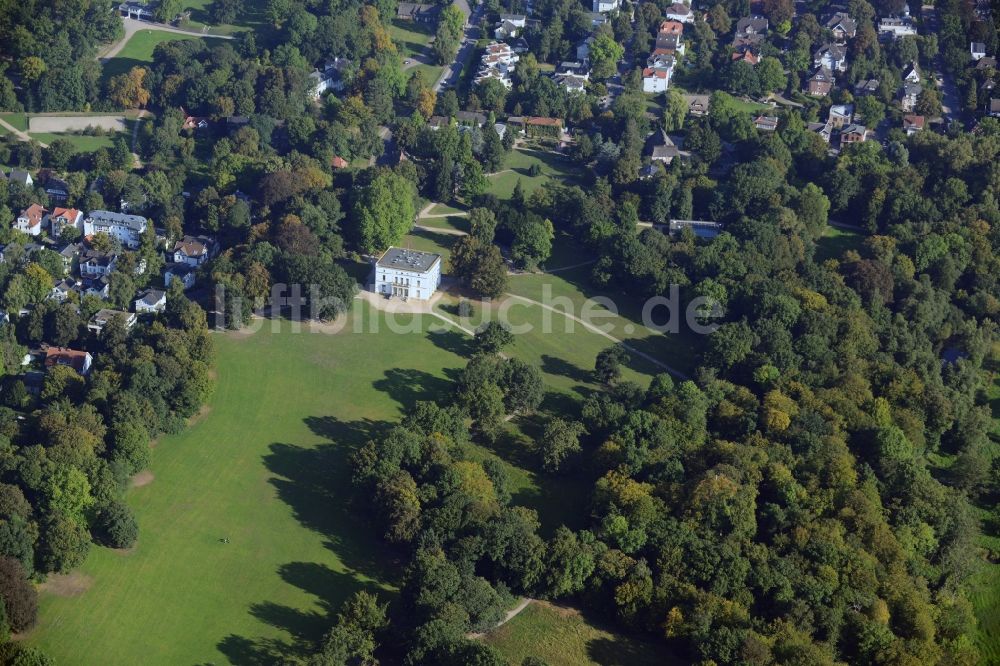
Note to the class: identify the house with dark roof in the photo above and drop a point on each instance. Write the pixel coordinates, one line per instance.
(766, 123)
(151, 301)
(411, 11)
(832, 57)
(853, 134)
(105, 315)
(21, 177)
(821, 83)
(751, 25)
(842, 26)
(977, 50)
(993, 108)
(909, 93)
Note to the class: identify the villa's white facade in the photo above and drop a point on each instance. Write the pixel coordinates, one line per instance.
(407, 273)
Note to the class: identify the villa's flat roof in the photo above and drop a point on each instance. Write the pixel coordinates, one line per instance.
(408, 260)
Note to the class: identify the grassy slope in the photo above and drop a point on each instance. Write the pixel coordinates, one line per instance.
(81, 143)
(516, 168)
(563, 637)
(411, 37)
(16, 120)
(836, 241)
(138, 51)
(254, 469)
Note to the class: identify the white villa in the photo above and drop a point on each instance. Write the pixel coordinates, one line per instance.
(408, 273)
(126, 228)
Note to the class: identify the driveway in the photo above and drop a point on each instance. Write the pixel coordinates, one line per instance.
(58, 124)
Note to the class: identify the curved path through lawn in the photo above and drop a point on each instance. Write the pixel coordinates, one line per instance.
(133, 26)
(511, 614)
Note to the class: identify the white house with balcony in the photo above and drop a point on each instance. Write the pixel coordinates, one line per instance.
(407, 273)
(126, 228)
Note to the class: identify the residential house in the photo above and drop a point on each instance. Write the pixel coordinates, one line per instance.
(766, 123)
(912, 124)
(106, 315)
(61, 218)
(407, 273)
(78, 360)
(842, 26)
(912, 74)
(193, 122)
(657, 79)
(61, 291)
(126, 228)
(497, 63)
(183, 272)
(987, 62)
(669, 45)
(94, 263)
(908, 96)
(697, 104)
(99, 287)
(30, 220)
(841, 115)
(662, 148)
(832, 57)
(583, 48)
(69, 255)
(993, 108)
(573, 83)
(411, 11)
(679, 12)
(437, 122)
(595, 18)
(338, 162)
(603, 6)
(193, 250)
(136, 10)
(56, 188)
(978, 50)
(151, 301)
(853, 134)
(21, 177)
(866, 87)
(823, 130)
(747, 54)
(319, 83)
(471, 118)
(821, 83)
(671, 28)
(751, 25)
(897, 27)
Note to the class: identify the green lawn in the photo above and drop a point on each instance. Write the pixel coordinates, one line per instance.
(81, 143)
(266, 467)
(453, 222)
(520, 161)
(201, 18)
(411, 37)
(138, 51)
(563, 637)
(836, 241)
(16, 120)
(440, 209)
(431, 73)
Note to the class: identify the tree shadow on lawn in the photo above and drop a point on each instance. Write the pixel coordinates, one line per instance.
(554, 365)
(408, 386)
(452, 340)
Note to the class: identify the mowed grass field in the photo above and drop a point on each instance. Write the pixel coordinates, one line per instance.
(561, 636)
(138, 51)
(266, 467)
(82, 143)
(516, 167)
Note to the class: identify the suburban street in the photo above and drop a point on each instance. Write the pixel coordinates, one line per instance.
(951, 104)
(453, 71)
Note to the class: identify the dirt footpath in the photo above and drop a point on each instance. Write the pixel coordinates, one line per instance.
(56, 124)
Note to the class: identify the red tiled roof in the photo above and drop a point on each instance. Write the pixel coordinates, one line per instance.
(65, 356)
(34, 213)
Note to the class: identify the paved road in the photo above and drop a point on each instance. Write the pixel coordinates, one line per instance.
(133, 26)
(453, 71)
(951, 103)
(18, 133)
